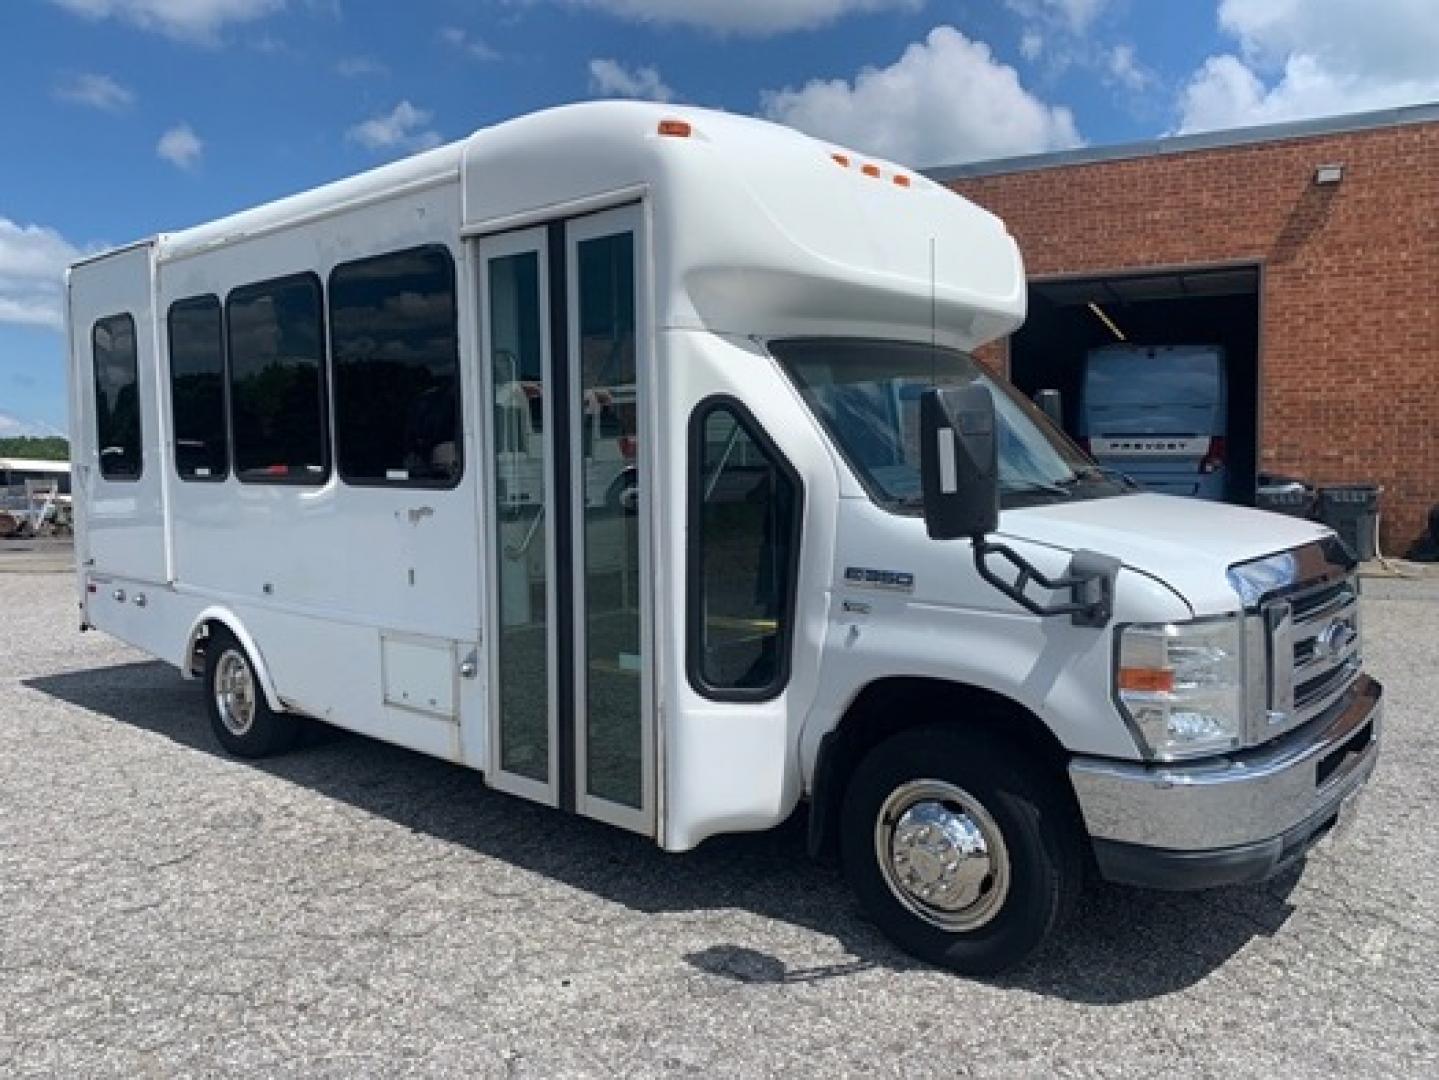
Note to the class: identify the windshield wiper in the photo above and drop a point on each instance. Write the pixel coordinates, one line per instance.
(1038, 488)
(1103, 472)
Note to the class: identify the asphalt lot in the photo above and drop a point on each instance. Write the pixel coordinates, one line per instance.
(353, 909)
(36, 555)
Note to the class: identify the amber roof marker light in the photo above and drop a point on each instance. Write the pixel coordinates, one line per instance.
(676, 129)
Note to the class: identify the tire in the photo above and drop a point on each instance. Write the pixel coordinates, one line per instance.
(243, 722)
(924, 795)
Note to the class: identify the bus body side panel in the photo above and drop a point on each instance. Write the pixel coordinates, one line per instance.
(119, 521)
(364, 600)
(733, 766)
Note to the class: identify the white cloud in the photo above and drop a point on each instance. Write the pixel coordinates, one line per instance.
(404, 128)
(33, 259)
(1122, 66)
(751, 17)
(1065, 34)
(12, 426)
(1077, 16)
(473, 47)
(610, 78)
(1315, 58)
(360, 67)
(96, 91)
(181, 147)
(197, 21)
(946, 100)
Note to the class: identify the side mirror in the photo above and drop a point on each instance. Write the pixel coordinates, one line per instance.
(1051, 403)
(958, 463)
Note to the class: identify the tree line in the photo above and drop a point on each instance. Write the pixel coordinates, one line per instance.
(38, 447)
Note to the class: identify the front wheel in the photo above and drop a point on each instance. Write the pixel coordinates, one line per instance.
(959, 850)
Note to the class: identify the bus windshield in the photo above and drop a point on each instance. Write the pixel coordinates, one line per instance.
(866, 394)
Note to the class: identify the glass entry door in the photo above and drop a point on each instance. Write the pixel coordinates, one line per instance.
(569, 627)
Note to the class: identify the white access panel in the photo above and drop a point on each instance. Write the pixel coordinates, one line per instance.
(419, 674)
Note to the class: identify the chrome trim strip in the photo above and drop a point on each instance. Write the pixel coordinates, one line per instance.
(1312, 565)
(1238, 799)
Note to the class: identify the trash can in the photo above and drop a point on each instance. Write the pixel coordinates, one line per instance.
(1352, 510)
(1296, 500)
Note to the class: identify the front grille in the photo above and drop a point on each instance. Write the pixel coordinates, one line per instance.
(1314, 652)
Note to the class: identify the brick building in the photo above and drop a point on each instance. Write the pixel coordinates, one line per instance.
(1309, 250)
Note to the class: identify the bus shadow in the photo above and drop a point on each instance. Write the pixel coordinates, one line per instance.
(1123, 945)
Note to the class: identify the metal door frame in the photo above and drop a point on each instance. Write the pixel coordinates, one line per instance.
(630, 219)
(487, 249)
(556, 244)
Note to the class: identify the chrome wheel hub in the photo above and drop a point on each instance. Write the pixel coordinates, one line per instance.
(235, 692)
(942, 855)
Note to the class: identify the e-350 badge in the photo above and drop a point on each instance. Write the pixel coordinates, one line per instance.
(862, 577)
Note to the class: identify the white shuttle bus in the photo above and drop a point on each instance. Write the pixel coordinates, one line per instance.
(635, 458)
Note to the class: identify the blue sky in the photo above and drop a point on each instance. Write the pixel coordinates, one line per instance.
(126, 117)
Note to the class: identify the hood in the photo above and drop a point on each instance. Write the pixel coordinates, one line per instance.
(1188, 544)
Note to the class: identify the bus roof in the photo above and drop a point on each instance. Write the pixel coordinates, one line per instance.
(757, 227)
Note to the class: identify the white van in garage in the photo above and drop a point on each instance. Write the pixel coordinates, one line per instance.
(812, 553)
(1159, 414)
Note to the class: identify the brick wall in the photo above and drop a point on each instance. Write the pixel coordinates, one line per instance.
(1349, 365)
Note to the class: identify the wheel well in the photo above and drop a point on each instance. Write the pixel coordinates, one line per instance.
(888, 706)
(199, 642)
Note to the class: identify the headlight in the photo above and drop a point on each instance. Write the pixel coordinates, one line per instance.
(1182, 686)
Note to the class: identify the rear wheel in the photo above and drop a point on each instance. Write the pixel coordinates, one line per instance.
(958, 850)
(242, 720)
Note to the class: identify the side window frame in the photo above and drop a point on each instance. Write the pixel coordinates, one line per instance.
(695, 550)
(334, 371)
(225, 419)
(139, 404)
(327, 447)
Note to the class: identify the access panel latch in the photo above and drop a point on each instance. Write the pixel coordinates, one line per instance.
(1089, 580)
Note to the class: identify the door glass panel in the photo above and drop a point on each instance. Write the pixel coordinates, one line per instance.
(609, 483)
(518, 382)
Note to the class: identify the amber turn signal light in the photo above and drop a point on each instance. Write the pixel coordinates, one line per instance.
(1146, 680)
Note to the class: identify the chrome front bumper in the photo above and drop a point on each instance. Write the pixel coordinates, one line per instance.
(1232, 819)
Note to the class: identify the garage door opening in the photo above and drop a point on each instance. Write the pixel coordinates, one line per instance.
(1069, 317)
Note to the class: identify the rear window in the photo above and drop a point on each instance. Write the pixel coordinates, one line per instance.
(1147, 377)
(117, 398)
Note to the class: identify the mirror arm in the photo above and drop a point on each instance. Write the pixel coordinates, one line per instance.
(1090, 581)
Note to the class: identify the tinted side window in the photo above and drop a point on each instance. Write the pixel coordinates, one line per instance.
(277, 382)
(117, 398)
(396, 357)
(745, 503)
(197, 389)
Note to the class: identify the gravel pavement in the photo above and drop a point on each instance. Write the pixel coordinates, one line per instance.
(356, 910)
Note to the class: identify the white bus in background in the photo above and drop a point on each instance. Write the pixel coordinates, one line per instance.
(606, 415)
(348, 456)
